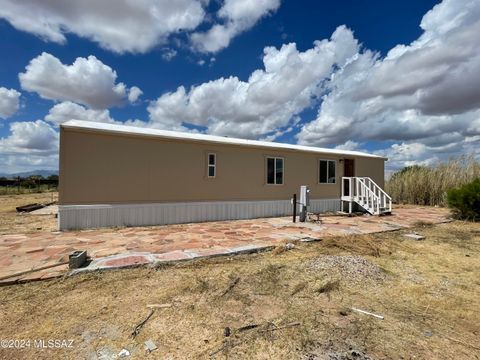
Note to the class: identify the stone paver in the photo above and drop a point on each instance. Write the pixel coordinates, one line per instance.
(149, 245)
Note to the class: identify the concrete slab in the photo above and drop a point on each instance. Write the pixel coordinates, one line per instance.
(148, 245)
(47, 210)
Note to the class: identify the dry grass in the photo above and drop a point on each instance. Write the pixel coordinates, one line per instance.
(428, 185)
(12, 222)
(15, 190)
(431, 287)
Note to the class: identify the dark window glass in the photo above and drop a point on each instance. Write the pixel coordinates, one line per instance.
(323, 171)
(331, 172)
(270, 171)
(279, 171)
(211, 171)
(211, 159)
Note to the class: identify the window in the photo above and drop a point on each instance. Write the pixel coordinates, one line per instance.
(327, 172)
(274, 171)
(212, 163)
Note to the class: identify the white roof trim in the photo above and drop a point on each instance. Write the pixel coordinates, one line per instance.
(132, 130)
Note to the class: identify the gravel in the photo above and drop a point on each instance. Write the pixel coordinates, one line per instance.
(353, 268)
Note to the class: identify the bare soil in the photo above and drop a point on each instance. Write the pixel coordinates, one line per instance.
(299, 300)
(12, 222)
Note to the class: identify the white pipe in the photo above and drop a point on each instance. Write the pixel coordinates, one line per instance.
(368, 313)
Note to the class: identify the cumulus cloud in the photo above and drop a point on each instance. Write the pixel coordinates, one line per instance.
(30, 137)
(134, 93)
(412, 96)
(237, 16)
(30, 145)
(116, 25)
(269, 100)
(349, 145)
(87, 81)
(9, 102)
(416, 90)
(68, 110)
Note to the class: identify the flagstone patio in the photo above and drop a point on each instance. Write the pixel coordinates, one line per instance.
(23, 252)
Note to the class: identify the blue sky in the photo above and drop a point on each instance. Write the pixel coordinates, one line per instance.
(251, 69)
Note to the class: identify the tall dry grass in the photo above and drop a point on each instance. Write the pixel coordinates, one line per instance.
(428, 185)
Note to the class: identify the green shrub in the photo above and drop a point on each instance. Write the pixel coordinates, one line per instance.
(465, 201)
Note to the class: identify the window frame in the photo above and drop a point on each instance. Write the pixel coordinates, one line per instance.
(214, 165)
(267, 157)
(319, 168)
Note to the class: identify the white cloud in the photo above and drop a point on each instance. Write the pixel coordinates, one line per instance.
(117, 25)
(237, 16)
(267, 101)
(30, 137)
(168, 54)
(349, 145)
(414, 95)
(68, 110)
(134, 93)
(87, 81)
(9, 102)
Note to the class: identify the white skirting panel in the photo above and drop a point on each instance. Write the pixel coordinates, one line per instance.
(98, 216)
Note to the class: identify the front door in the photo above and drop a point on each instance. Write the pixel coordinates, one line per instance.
(348, 171)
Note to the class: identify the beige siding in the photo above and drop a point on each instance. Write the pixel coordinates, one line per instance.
(97, 168)
(371, 167)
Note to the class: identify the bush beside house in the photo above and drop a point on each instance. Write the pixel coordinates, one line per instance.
(465, 201)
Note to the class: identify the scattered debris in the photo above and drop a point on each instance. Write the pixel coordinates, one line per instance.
(106, 354)
(31, 271)
(348, 355)
(159, 306)
(227, 332)
(328, 286)
(428, 333)
(282, 248)
(124, 353)
(77, 259)
(226, 345)
(137, 328)
(415, 236)
(289, 246)
(368, 313)
(231, 286)
(270, 327)
(308, 239)
(352, 268)
(29, 207)
(150, 346)
(247, 327)
(345, 311)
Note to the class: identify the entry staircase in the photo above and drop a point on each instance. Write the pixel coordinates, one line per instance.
(366, 193)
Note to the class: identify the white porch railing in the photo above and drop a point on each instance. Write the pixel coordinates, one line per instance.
(365, 192)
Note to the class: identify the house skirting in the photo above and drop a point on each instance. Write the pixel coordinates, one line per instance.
(113, 215)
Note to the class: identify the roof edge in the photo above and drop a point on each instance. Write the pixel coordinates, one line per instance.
(197, 137)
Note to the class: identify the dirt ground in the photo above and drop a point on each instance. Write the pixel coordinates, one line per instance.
(300, 299)
(12, 222)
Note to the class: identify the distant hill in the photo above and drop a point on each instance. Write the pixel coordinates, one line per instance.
(43, 173)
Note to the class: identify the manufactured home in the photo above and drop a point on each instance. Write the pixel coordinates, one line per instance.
(115, 175)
